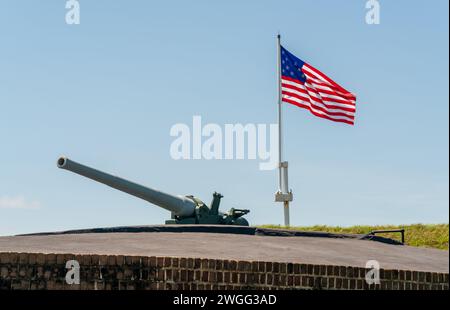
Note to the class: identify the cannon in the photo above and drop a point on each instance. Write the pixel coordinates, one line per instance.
(184, 209)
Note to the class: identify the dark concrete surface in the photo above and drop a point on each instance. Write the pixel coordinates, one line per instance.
(298, 249)
(220, 229)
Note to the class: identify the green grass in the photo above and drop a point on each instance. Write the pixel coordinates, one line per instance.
(420, 235)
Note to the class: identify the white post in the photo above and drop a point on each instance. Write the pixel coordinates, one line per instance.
(286, 214)
(280, 134)
(283, 194)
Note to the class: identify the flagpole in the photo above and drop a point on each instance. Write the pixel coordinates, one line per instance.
(280, 135)
(283, 194)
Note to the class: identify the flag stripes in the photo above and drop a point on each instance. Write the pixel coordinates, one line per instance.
(306, 87)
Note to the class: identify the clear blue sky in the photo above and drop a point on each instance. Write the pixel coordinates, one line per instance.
(107, 91)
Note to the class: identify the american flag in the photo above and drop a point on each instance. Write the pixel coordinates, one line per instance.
(306, 87)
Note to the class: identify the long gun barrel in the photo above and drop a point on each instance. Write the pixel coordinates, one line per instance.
(179, 205)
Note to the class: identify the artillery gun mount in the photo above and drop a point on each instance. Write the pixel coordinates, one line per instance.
(184, 209)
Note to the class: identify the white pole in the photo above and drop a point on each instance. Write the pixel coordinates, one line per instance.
(283, 188)
(286, 214)
(280, 136)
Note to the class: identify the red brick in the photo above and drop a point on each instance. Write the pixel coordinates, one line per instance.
(190, 275)
(254, 266)
(338, 283)
(23, 258)
(128, 260)
(234, 277)
(60, 259)
(232, 265)
(176, 275)
(360, 284)
(331, 282)
(212, 276)
(219, 264)
(227, 277)
(283, 280)
(363, 272)
(152, 261)
(422, 276)
(350, 273)
(290, 280)
(4, 258)
(402, 275)
(183, 262)
(336, 271)
(241, 266)
(40, 259)
(136, 260)
(219, 276)
(190, 263)
(168, 275)
(167, 262)
(261, 266)
(204, 263)
(102, 260)
(276, 279)
(120, 260)
(269, 278)
(175, 262)
(276, 267)
(183, 275)
(197, 275)
(345, 284)
(352, 284)
(211, 264)
(262, 278)
(160, 262)
(242, 278)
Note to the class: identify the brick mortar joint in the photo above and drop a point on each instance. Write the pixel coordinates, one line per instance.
(206, 264)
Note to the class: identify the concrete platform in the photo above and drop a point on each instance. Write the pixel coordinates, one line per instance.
(309, 248)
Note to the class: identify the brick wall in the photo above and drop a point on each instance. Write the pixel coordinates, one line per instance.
(47, 271)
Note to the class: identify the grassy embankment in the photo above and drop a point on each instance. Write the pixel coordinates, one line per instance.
(421, 235)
